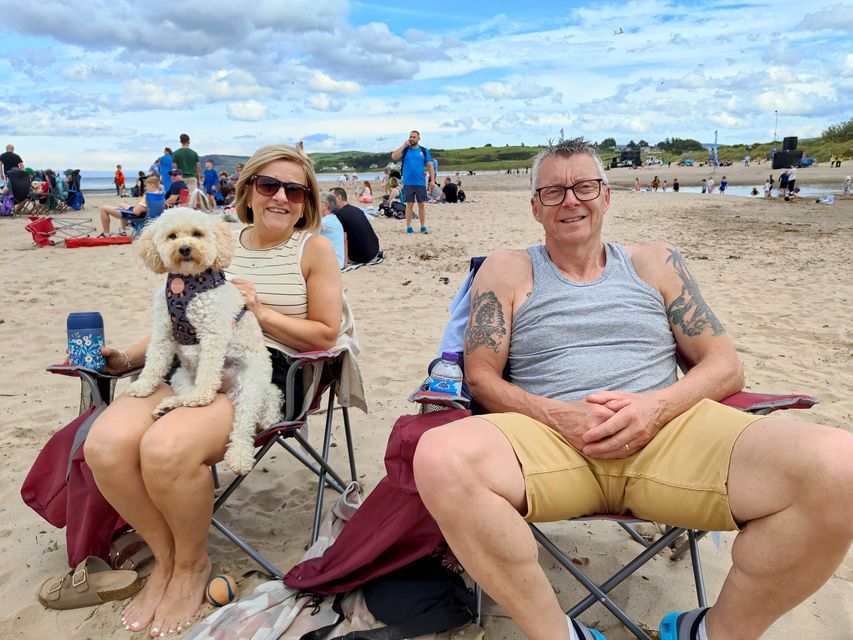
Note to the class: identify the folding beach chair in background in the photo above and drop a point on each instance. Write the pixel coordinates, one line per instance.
(757, 403)
(48, 231)
(156, 204)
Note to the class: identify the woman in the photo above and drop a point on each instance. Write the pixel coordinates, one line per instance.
(394, 193)
(365, 194)
(155, 472)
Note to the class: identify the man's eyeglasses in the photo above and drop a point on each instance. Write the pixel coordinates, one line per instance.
(267, 186)
(556, 194)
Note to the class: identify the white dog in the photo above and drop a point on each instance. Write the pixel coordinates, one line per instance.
(201, 317)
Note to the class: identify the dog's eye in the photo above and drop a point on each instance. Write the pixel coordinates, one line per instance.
(173, 236)
(198, 234)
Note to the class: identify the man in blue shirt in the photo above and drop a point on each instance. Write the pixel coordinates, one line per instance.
(416, 160)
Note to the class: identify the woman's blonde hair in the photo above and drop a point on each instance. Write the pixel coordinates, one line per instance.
(311, 213)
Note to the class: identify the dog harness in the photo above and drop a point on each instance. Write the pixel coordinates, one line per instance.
(180, 290)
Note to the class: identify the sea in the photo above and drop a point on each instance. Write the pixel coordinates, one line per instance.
(100, 182)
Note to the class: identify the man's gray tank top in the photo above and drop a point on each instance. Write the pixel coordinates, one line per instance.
(570, 339)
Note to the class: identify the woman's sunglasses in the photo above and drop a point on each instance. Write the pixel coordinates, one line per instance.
(267, 186)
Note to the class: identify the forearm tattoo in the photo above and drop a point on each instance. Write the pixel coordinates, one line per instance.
(689, 311)
(486, 325)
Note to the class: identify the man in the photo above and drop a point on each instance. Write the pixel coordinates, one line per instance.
(186, 160)
(449, 192)
(600, 423)
(361, 241)
(10, 160)
(416, 160)
(332, 228)
(152, 185)
(173, 195)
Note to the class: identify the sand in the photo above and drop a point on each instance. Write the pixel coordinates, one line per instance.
(778, 276)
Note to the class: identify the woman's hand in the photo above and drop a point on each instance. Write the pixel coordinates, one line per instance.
(249, 293)
(116, 361)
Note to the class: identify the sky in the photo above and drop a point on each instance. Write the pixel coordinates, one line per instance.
(93, 83)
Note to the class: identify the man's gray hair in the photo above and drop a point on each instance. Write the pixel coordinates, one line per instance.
(565, 149)
(329, 199)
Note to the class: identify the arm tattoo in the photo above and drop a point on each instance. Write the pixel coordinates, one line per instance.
(486, 324)
(689, 310)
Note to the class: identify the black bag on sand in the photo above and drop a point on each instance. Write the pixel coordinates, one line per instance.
(420, 598)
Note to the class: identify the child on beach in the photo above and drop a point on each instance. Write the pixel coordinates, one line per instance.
(845, 188)
(723, 184)
(119, 181)
(365, 194)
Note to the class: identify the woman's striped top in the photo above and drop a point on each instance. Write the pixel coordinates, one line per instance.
(277, 276)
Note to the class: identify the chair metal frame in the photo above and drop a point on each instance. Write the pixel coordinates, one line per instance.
(293, 426)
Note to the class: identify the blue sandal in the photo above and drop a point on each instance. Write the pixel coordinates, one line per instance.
(681, 625)
(409, 230)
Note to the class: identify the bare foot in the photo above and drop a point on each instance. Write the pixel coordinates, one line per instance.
(139, 612)
(182, 600)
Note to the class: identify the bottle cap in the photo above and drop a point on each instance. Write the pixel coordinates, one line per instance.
(85, 320)
(452, 356)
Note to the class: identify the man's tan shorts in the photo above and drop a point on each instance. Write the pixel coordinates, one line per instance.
(679, 478)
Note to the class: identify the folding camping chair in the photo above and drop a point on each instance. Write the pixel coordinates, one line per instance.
(758, 403)
(294, 427)
(49, 231)
(96, 387)
(154, 205)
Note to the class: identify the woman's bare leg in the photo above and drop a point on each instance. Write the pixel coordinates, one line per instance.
(112, 452)
(176, 453)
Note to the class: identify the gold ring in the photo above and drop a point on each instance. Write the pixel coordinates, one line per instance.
(627, 448)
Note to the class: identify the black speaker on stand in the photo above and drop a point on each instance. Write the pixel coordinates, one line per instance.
(789, 143)
(785, 159)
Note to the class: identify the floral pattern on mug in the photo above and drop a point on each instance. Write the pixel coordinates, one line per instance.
(84, 350)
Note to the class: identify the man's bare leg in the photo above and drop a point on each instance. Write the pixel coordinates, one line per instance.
(793, 483)
(478, 513)
(422, 214)
(409, 209)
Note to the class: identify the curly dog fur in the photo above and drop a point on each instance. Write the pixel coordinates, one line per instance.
(231, 357)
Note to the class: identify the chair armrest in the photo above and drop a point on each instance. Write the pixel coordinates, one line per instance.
(97, 381)
(423, 396)
(300, 361)
(764, 403)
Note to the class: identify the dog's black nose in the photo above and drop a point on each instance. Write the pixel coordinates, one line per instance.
(185, 251)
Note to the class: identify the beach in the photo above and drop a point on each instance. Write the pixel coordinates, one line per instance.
(776, 274)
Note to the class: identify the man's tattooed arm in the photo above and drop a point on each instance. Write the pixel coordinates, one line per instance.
(689, 311)
(486, 325)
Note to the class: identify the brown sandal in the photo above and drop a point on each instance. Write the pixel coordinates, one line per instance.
(129, 551)
(91, 583)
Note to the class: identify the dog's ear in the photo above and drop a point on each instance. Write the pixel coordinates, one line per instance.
(225, 244)
(148, 250)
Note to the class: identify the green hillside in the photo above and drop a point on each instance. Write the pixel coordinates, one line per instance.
(836, 140)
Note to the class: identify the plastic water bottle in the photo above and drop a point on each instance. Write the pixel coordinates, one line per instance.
(85, 339)
(446, 376)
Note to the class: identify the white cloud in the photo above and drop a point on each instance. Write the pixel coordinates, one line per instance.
(324, 82)
(250, 110)
(322, 102)
(836, 18)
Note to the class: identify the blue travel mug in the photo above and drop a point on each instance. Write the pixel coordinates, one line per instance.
(85, 339)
